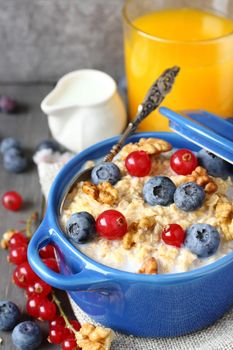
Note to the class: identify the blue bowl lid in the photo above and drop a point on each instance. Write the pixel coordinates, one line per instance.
(204, 129)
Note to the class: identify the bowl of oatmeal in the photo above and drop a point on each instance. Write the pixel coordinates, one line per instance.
(144, 247)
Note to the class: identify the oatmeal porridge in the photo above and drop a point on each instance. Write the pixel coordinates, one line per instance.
(153, 210)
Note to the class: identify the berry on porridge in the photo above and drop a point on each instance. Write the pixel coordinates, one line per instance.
(159, 190)
(111, 224)
(138, 163)
(152, 211)
(189, 196)
(183, 162)
(173, 234)
(202, 239)
(80, 227)
(105, 172)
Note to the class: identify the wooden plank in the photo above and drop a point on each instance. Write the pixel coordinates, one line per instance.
(30, 127)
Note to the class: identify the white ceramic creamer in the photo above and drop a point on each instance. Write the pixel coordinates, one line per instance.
(84, 108)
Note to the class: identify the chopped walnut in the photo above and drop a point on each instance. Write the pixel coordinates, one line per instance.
(135, 231)
(147, 222)
(224, 212)
(90, 189)
(151, 146)
(149, 267)
(90, 337)
(227, 230)
(6, 238)
(201, 177)
(128, 239)
(107, 193)
(224, 215)
(104, 192)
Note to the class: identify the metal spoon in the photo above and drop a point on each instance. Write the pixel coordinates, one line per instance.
(160, 88)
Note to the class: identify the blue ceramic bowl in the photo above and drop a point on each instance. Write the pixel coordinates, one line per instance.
(142, 305)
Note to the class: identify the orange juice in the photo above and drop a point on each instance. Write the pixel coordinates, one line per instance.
(200, 42)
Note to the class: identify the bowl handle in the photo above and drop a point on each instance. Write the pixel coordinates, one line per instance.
(84, 280)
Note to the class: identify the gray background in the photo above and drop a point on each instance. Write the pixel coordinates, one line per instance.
(40, 40)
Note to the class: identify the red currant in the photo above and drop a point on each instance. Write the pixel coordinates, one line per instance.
(173, 234)
(51, 264)
(47, 252)
(47, 310)
(58, 321)
(183, 162)
(18, 255)
(12, 200)
(68, 333)
(70, 344)
(23, 275)
(56, 335)
(75, 324)
(33, 305)
(39, 287)
(111, 224)
(17, 239)
(138, 163)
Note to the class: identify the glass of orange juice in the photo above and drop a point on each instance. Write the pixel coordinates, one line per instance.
(195, 35)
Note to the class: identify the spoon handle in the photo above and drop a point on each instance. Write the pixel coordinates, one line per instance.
(160, 88)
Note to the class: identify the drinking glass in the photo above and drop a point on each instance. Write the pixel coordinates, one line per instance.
(205, 80)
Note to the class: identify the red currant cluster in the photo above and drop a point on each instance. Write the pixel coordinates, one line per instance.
(41, 302)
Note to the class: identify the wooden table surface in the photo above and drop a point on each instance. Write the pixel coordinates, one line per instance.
(30, 127)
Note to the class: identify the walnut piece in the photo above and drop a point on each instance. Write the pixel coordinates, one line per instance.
(147, 222)
(224, 215)
(6, 238)
(128, 239)
(103, 193)
(135, 231)
(151, 146)
(90, 337)
(201, 177)
(107, 193)
(90, 189)
(149, 267)
(224, 212)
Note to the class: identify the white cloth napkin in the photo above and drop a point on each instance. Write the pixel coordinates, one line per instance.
(217, 337)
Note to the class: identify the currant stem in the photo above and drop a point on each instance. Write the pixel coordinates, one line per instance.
(62, 313)
(29, 222)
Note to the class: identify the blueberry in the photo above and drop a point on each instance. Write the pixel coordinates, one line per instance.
(202, 239)
(189, 196)
(27, 336)
(159, 190)
(105, 172)
(9, 142)
(230, 120)
(14, 152)
(9, 315)
(14, 161)
(215, 166)
(7, 104)
(48, 144)
(80, 227)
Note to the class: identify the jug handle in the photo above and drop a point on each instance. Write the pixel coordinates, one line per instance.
(85, 280)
